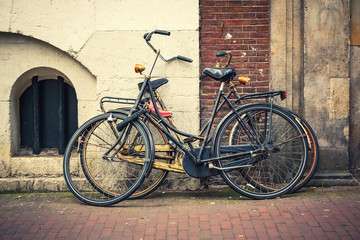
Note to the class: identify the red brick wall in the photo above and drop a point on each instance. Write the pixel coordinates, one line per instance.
(241, 27)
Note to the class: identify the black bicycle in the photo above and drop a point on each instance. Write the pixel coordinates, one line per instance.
(259, 149)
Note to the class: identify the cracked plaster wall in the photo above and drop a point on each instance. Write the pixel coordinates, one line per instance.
(95, 46)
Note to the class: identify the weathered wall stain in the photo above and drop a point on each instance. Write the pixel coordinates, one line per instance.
(329, 18)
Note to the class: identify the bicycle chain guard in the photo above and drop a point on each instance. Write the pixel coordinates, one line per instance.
(198, 171)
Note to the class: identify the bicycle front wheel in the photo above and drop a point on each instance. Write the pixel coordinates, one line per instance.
(99, 179)
(272, 149)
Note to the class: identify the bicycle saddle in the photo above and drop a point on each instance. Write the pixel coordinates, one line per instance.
(221, 74)
(155, 84)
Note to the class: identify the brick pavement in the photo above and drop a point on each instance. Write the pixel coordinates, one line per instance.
(331, 213)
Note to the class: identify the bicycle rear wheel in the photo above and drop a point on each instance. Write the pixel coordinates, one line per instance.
(101, 181)
(275, 148)
(313, 148)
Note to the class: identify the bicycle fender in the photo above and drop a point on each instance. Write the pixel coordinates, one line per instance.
(123, 124)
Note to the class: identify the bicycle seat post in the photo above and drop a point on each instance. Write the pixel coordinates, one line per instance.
(220, 91)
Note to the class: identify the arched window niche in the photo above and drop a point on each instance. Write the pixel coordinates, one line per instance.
(45, 104)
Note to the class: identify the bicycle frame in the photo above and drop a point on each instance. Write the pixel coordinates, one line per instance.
(248, 152)
(195, 157)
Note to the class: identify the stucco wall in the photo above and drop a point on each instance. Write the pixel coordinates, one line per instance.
(326, 78)
(108, 40)
(94, 46)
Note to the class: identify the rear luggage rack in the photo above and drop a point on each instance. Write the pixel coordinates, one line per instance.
(127, 101)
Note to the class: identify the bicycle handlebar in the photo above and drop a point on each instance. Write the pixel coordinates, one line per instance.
(185, 59)
(147, 37)
(221, 54)
(162, 32)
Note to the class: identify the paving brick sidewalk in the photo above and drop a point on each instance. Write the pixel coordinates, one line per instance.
(332, 213)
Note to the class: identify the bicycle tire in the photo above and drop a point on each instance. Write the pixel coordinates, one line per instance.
(313, 159)
(102, 182)
(262, 180)
(313, 147)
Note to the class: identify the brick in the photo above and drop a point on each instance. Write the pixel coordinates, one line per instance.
(259, 9)
(172, 231)
(247, 224)
(235, 221)
(77, 228)
(340, 231)
(286, 235)
(355, 234)
(215, 230)
(205, 234)
(150, 231)
(107, 232)
(295, 232)
(287, 215)
(250, 233)
(160, 234)
(204, 225)
(273, 233)
(234, 9)
(207, 3)
(318, 232)
(183, 234)
(228, 234)
(265, 216)
(326, 227)
(204, 218)
(282, 228)
(225, 224)
(235, 22)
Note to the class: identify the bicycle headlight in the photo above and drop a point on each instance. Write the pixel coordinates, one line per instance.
(139, 68)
